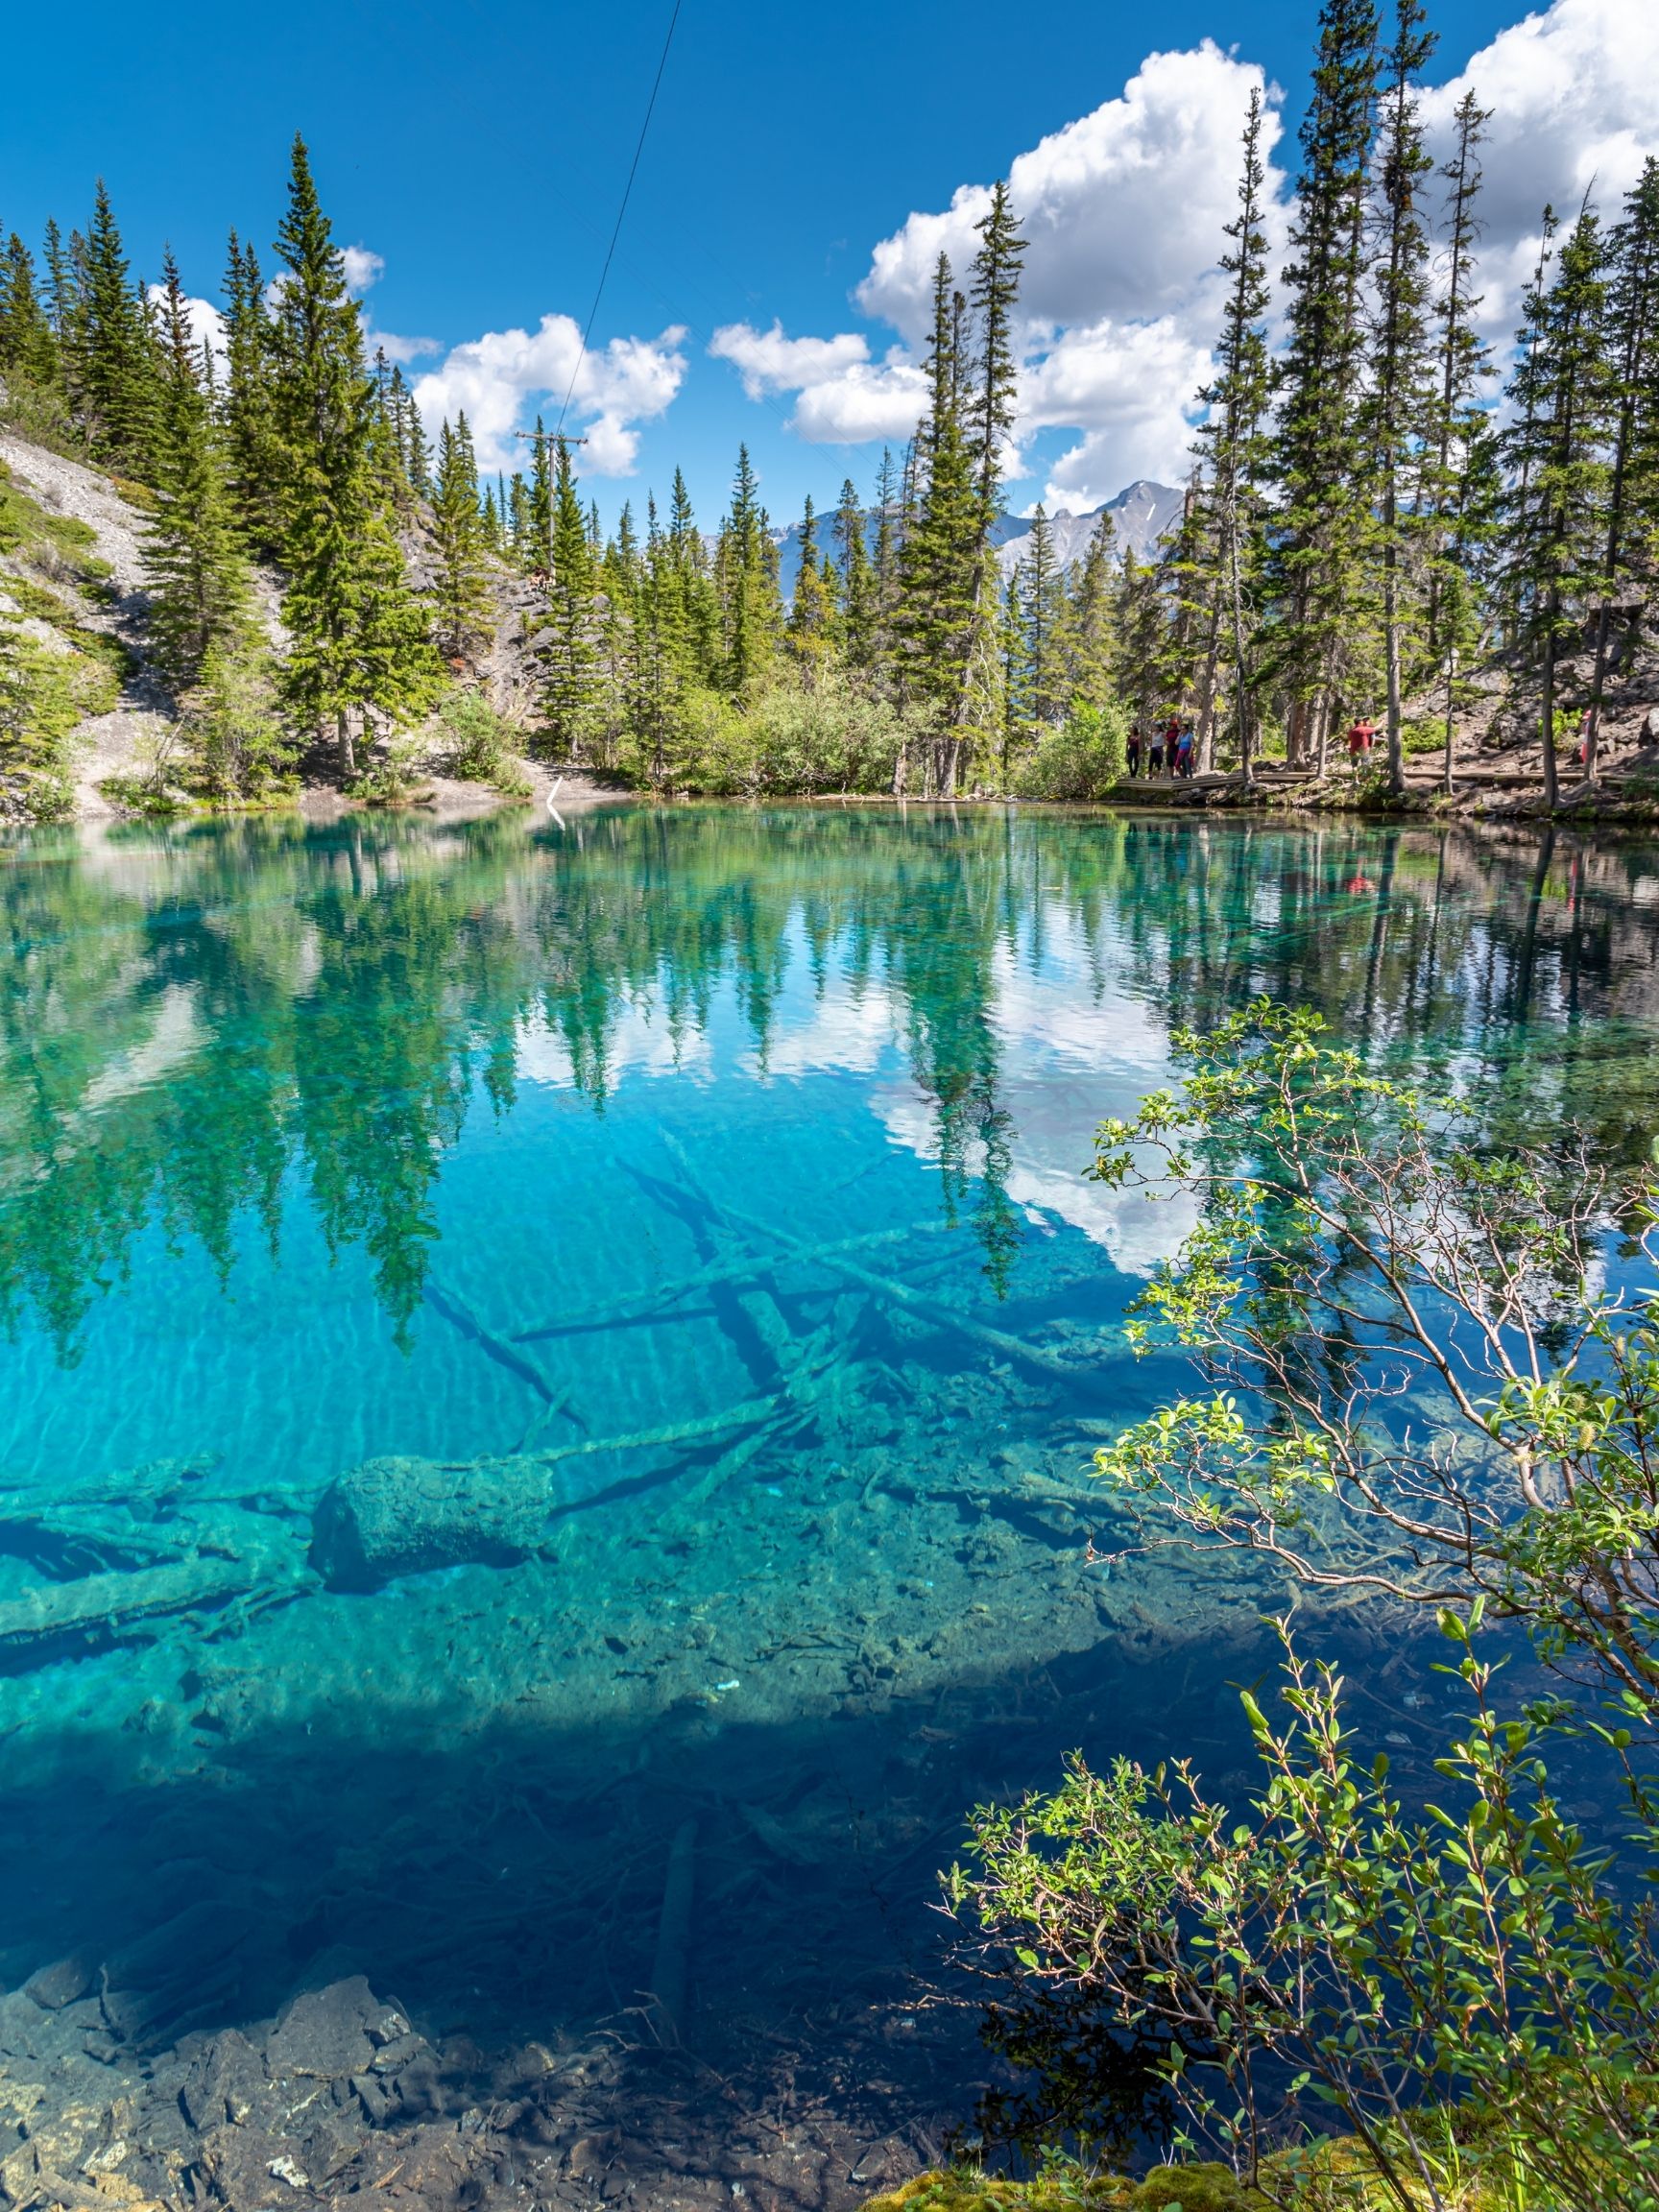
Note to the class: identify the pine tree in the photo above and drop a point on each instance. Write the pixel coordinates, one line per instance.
(119, 368)
(536, 551)
(28, 347)
(1462, 483)
(462, 587)
(1324, 507)
(747, 578)
(1399, 419)
(856, 586)
(885, 564)
(995, 292)
(66, 309)
(1236, 450)
(1089, 638)
(247, 400)
(812, 608)
(1142, 629)
(1563, 395)
(1632, 540)
(938, 565)
(1042, 617)
(359, 641)
(200, 597)
(569, 657)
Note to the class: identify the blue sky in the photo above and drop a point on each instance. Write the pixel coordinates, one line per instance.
(479, 152)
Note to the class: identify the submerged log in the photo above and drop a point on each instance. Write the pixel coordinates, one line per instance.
(746, 1267)
(671, 1969)
(397, 1516)
(101, 1609)
(917, 1302)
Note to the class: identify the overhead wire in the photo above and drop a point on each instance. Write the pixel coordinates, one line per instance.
(617, 230)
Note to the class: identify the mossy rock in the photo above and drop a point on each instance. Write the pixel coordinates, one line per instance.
(1208, 2187)
(965, 2190)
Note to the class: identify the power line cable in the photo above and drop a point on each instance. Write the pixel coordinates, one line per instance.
(616, 232)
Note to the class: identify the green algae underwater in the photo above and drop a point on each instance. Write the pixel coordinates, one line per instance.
(526, 1342)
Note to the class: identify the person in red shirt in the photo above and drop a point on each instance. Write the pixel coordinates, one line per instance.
(1360, 740)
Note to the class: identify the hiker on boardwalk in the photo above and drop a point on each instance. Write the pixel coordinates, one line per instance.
(1361, 737)
(1135, 750)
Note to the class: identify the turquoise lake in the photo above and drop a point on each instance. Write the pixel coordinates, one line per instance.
(681, 1214)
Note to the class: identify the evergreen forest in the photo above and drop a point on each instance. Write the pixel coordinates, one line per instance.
(1381, 512)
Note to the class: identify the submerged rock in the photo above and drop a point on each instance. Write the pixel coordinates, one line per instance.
(400, 1516)
(54, 1986)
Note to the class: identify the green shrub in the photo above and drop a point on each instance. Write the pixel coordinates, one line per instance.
(1325, 1939)
(479, 744)
(235, 747)
(1077, 759)
(40, 708)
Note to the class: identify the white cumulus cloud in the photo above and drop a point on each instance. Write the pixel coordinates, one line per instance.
(842, 396)
(1574, 99)
(1123, 210)
(1123, 213)
(768, 362)
(499, 378)
(363, 268)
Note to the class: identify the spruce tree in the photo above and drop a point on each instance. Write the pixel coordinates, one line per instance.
(536, 549)
(200, 597)
(1089, 636)
(813, 607)
(1399, 416)
(570, 654)
(1235, 448)
(1042, 617)
(1462, 483)
(884, 561)
(1563, 398)
(747, 579)
(995, 291)
(1631, 543)
(461, 588)
(247, 401)
(28, 347)
(119, 368)
(360, 644)
(938, 565)
(857, 588)
(1320, 534)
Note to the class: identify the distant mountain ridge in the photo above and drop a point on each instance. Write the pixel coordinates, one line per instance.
(1141, 513)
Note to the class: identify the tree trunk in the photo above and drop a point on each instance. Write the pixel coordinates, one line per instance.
(1446, 782)
(1391, 634)
(1593, 729)
(347, 753)
(1547, 712)
(1206, 759)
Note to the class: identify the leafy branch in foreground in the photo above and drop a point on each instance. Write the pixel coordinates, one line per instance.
(1331, 1944)
(1436, 1379)
(1428, 1382)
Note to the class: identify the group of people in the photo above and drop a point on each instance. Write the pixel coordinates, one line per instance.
(1171, 747)
(1168, 749)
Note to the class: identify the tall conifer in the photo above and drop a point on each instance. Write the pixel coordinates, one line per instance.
(359, 641)
(200, 596)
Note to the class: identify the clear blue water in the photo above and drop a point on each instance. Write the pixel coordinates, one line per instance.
(477, 1148)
